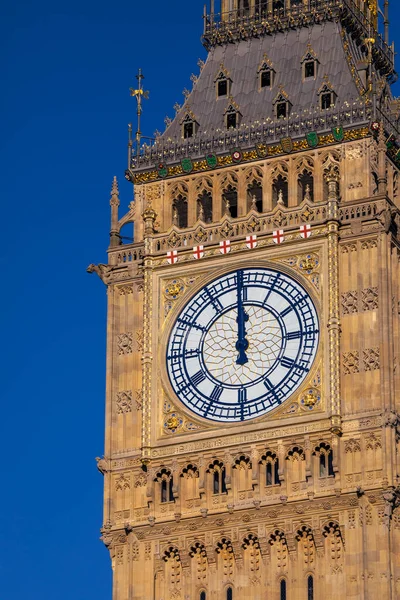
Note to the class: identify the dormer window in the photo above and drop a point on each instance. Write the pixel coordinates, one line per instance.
(222, 88)
(326, 100)
(222, 82)
(309, 64)
(282, 105)
(309, 69)
(266, 73)
(265, 79)
(232, 115)
(188, 130)
(282, 110)
(327, 96)
(189, 125)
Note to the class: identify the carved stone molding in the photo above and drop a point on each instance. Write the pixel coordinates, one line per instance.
(124, 402)
(125, 342)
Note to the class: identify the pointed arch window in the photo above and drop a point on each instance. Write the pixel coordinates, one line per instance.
(280, 191)
(217, 470)
(203, 596)
(255, 196)
(283, 589)
(229, 594)
(180, 212)
(306, 186)
(271, 462)
(324, 455)
(204, 207)
(164, 477)
(310, 587)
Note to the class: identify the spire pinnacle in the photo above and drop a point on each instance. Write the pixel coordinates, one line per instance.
(114, 193)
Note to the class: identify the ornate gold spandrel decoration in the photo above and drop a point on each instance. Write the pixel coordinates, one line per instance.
(309, 399)
(173, 289)
(174, 422)
(306, 264)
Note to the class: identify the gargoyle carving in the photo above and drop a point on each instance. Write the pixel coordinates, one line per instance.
(103, 271)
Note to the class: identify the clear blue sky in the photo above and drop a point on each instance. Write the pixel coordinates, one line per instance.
(65, 105)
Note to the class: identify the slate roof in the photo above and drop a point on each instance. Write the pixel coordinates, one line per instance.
(285, 50)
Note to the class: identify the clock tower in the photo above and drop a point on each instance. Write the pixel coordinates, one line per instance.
(253, 335)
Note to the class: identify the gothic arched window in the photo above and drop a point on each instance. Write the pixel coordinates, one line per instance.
(280, 191)
(324, 454)
(229, 594)
(306, 186)
(271, 462)
(230, 201)
(217, 470)
(310, 588)
(204, 207)
(283, 589)
(180, 212)
(164, 478)
(255, 196)
(203, 596)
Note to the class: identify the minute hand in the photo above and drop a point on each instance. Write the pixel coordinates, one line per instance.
(242, 344)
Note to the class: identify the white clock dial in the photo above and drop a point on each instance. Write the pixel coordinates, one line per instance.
(242, 345)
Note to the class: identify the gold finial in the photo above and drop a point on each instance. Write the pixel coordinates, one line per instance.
(139, 94)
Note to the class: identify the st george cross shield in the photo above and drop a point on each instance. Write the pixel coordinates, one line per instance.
(312, 139)
(338, 133)
(287, 144)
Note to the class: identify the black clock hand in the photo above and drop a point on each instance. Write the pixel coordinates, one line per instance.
(242, 343)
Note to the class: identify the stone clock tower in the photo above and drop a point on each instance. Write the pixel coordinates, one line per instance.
(253, 379)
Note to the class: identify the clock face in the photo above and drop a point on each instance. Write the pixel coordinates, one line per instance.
(242, 345)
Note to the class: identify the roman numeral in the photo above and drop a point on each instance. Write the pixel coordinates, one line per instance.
(286, 312)
(198, 378)
(216, 393)
(288, 363)
(294, 335)
(242, 395)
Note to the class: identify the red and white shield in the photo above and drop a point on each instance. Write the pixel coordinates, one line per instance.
(172, 257)
(251, 241)
(305, 231)
(225, 246)
(198, 252)
(278, 236)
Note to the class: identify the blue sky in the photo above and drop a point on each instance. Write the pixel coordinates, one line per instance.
(65, 105)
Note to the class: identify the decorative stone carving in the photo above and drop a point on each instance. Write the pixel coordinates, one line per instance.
(122, 483)
(371, 359)
(124, 343)
(351, 362)
(369, 298)
(349, 303)
(124, 402)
